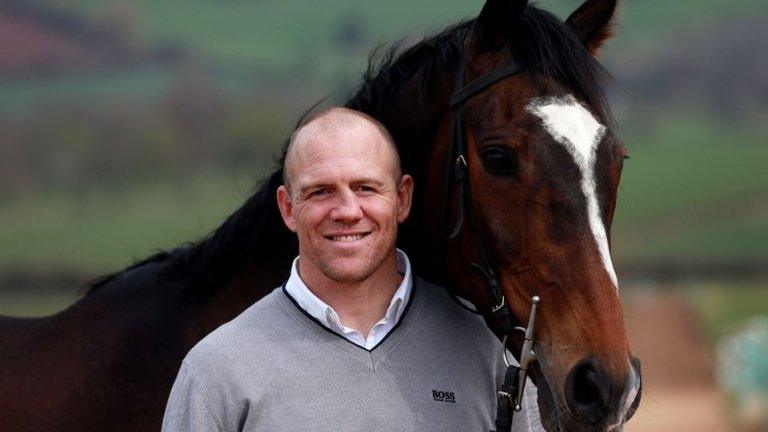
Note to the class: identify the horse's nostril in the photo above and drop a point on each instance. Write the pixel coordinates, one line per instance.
(588, 391)
(586, 386)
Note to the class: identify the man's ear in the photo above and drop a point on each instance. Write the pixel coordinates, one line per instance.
(593, 23)
(404, 198)
(285, 205)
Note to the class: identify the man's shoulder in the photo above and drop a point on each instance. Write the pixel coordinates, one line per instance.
(440, 298)
(455, 313)
(240, 337)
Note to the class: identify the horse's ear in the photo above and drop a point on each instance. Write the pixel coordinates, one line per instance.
(501, 10)
(495, 22)
(593, 22)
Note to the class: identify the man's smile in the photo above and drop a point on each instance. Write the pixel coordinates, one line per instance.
(347, 237)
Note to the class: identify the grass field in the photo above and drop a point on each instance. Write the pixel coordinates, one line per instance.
(723, 307)
(131, 86)
(693, 188)
(106, 229)
(35, 304)
(690, 159)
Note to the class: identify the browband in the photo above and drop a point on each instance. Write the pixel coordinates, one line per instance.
(481, 83)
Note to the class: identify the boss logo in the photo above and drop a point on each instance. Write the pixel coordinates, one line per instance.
(443, 396)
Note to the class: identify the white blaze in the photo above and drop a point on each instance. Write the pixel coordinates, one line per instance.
(576, 129)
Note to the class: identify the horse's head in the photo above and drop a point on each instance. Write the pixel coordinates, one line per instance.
(543, 170)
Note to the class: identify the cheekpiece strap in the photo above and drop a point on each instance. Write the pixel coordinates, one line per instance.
(457, 166)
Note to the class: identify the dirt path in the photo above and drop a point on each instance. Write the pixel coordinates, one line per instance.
(678, 388)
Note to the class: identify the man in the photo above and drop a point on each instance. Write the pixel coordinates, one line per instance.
(351, 342)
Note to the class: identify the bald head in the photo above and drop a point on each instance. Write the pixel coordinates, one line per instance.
(338, 128)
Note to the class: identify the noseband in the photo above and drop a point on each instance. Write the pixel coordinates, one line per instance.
(509, 397)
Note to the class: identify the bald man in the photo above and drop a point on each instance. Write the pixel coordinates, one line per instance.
(352, 341)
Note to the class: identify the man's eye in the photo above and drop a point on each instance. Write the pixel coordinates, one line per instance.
(365, 188)
(318, 192)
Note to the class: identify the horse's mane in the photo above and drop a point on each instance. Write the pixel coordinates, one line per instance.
(540, 41)
(389, 69)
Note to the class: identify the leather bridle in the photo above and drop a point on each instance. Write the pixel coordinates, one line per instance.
(509, 396)
(500, 317)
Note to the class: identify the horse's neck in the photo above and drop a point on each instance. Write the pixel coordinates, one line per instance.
(265, 266)
(417, 122)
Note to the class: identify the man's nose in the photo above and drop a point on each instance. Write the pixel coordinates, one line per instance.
(347, 208)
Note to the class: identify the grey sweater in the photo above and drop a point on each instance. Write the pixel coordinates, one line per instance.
(274, 368)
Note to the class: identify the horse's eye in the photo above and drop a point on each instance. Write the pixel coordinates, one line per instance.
(499, 160)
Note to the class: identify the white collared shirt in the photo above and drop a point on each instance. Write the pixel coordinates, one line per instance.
(324, 313)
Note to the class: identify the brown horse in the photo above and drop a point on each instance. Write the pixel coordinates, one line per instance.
(543, 169)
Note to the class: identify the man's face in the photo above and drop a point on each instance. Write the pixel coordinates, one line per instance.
(345, 201)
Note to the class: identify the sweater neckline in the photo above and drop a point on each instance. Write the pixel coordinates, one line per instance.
(412, 307)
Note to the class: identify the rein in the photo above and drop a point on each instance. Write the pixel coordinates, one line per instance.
(509, 397)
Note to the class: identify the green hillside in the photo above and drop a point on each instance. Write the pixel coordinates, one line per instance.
(326, 43)
(282, 32)
(693, 188)
(108, 228)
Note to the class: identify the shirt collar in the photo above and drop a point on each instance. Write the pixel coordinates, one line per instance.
(324, 313)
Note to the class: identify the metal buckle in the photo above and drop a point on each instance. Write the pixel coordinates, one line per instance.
(499, 306)
(461, 161)
(508, 397)
(505, 395)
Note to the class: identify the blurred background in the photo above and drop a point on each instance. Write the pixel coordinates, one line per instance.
(127, 126)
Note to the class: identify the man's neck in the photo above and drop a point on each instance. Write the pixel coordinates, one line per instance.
(360, 305)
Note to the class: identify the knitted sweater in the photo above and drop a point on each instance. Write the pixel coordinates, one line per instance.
(275, 368)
